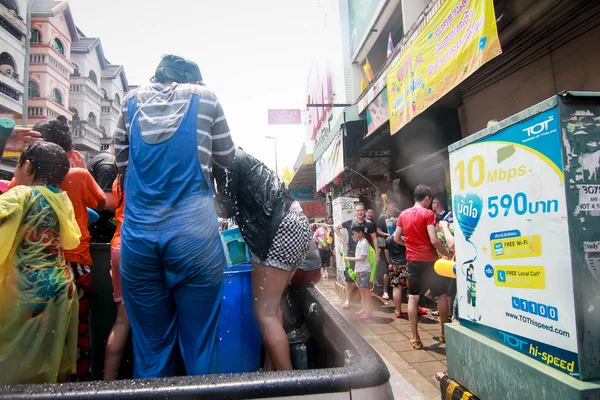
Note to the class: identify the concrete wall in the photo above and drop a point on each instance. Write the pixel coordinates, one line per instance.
(574, 66)
(411, 9)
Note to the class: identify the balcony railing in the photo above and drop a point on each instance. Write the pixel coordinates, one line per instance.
(10, 92)
(11, 74)
(10, 29)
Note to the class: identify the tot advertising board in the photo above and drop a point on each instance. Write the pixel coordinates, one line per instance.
(512, 240)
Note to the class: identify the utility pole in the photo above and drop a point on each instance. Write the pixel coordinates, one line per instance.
(25, 111)
(275, 140)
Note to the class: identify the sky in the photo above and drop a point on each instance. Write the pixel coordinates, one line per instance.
(254, 54)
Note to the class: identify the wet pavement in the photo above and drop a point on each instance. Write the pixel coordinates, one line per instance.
(390, 337)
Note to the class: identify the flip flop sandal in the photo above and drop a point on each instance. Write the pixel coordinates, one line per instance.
(416, 344)
(345, 306)
(399, 315)
(435, 313)
(422, 311)
(442, 338)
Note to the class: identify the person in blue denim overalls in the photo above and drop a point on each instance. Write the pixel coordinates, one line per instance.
(171, 254)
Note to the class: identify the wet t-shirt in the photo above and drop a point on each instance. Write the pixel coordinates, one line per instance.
(368, 229)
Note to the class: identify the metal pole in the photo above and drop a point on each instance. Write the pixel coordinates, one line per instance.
(276, 167)
(25, 110)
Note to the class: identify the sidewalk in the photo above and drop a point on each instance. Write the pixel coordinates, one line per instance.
(390, 337)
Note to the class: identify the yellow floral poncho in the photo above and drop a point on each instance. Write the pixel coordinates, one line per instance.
(38, 299)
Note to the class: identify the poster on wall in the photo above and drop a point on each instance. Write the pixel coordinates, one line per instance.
(512, 241)
(377, 112)
(331, 162)
(459, 37)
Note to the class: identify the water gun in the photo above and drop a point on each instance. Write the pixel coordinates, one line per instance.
(92, 216)
(322, 243)
(351, 272)
(445, 268)
(373, 265)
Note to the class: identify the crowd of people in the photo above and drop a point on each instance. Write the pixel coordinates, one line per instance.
(408, 243)
(172, 171)
(158, 190)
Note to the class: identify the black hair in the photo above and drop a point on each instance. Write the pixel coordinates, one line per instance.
(357, 228)
(440, 200)
(422, 191)
(49, 162)
(55, 131)
(177, 69)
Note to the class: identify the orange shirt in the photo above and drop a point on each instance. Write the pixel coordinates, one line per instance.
(84, 192)
(119, 212)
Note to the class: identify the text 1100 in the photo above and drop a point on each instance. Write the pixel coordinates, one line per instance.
(519, 205)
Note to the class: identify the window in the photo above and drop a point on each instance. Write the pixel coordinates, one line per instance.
(117, 99)
(34, 89)
(7, 65)
(92, 118)
(93, 77)
(104, 95)
(75, 113)
(11, 5)
(58, 46)
(57, 97)
(36, 37)
(76, 72)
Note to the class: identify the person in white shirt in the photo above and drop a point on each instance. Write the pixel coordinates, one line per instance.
(363, 271)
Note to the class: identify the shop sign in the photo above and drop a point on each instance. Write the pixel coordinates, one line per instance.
(377, 112)
(331, 163)
(459, 36)
(512, 241)
(319, 92)
(304, 195)
(284, 117)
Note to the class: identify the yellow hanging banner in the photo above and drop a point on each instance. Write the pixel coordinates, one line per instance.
(457, 39)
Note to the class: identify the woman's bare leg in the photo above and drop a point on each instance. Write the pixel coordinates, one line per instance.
(115, 345)
(268, 285)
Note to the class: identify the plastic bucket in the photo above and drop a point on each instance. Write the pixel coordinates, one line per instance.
(236, 250)
(240, 340)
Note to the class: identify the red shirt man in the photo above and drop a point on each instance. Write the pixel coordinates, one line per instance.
(416, 230)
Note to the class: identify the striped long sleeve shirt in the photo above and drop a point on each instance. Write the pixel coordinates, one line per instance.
(160, 111)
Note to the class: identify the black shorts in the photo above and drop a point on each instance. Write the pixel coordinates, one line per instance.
(325, 257)
(422, 277)
(348, 279)
(452, 287)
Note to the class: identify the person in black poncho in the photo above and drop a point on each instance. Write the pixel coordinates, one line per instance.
(276, 232)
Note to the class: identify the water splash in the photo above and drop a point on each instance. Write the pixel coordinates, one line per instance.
(364, 177)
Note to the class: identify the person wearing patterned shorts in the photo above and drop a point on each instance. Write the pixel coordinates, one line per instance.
(270, 277)
(278, 235)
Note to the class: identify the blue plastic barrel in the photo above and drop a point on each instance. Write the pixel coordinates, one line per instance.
(240, 341)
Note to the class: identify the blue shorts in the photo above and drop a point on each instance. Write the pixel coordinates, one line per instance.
(363, 279)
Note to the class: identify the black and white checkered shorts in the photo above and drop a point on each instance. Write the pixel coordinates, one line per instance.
(290, 245)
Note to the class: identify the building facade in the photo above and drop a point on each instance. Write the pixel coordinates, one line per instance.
(13, 34)
(52, 33)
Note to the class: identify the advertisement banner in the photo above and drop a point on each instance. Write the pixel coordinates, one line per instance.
(284, 117)
(512, 241)
(361, 16)
(458, 39)
(377, 112)
(331, 162)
